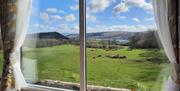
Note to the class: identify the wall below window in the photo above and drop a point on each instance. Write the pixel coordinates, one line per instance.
(75, 86)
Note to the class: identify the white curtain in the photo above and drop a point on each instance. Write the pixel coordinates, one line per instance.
(24, 9)
(161, 16)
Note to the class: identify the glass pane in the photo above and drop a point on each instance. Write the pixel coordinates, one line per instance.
(50, 51)
(122, 49)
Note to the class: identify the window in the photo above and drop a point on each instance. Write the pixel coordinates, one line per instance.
(50, 53)
(122, 49)
(115, 46)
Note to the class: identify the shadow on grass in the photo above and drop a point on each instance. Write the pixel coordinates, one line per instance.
(156, 56)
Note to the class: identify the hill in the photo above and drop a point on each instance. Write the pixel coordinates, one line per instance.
(48, 35)
(45, 39)
(113, 35)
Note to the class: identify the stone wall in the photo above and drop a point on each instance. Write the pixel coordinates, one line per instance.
(75, 86)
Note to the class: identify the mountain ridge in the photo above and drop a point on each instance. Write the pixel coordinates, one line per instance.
(48, 35)
(112, 35)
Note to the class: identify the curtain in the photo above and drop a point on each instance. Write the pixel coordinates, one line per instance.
(167, 20)
(15, 16)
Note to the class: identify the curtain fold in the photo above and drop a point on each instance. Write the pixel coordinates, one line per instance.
(162, 23)
(167, 20)
(15, 16)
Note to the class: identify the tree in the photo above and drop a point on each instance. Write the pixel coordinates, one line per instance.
(144, 40)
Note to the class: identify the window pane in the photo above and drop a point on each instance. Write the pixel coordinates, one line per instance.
(50, 52)
(122, 49)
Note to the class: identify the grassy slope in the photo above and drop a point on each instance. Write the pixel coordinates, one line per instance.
(62, 63)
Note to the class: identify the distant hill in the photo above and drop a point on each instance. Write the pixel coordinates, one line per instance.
(113, 35)
(45, 39)
(48, 35)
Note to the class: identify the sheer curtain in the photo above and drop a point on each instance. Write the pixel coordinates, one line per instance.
(15, 16)
(166, 15)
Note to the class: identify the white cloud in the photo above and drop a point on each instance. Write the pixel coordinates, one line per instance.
(120, 8)
(139, 3)
(62, 28)
(55, 17)
(61, 11)
(121, 17)
(76, 7)
(99, 5)
(74, 28)
(44, 16)
(125, 5)
(134, 2)
(50, 18)
(95, 6)
(65, 28)
(136, 19)
(54, 10)
(40, 28)
(133, 28)
(90, 17)
(149, 18)
(70, 17)
(36, 26)
(147, 6)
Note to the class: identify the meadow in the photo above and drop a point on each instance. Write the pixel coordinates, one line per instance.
(141, 69)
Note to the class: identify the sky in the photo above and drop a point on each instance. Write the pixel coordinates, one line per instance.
(102, 15)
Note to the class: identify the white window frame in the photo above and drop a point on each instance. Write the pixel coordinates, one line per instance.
(45, 88)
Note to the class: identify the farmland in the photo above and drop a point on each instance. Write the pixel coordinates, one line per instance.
(140, 69)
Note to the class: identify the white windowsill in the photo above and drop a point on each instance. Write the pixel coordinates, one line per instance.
(43, 88)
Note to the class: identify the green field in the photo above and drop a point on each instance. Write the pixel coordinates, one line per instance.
(141, 69)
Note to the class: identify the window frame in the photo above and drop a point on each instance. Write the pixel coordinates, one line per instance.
(82, 26)
(33, 87)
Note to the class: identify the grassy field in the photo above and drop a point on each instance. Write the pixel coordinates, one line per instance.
(136, 71)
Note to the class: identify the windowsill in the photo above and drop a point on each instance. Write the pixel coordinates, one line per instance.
(32, 87)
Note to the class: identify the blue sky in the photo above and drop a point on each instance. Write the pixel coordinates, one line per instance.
(102, 15)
